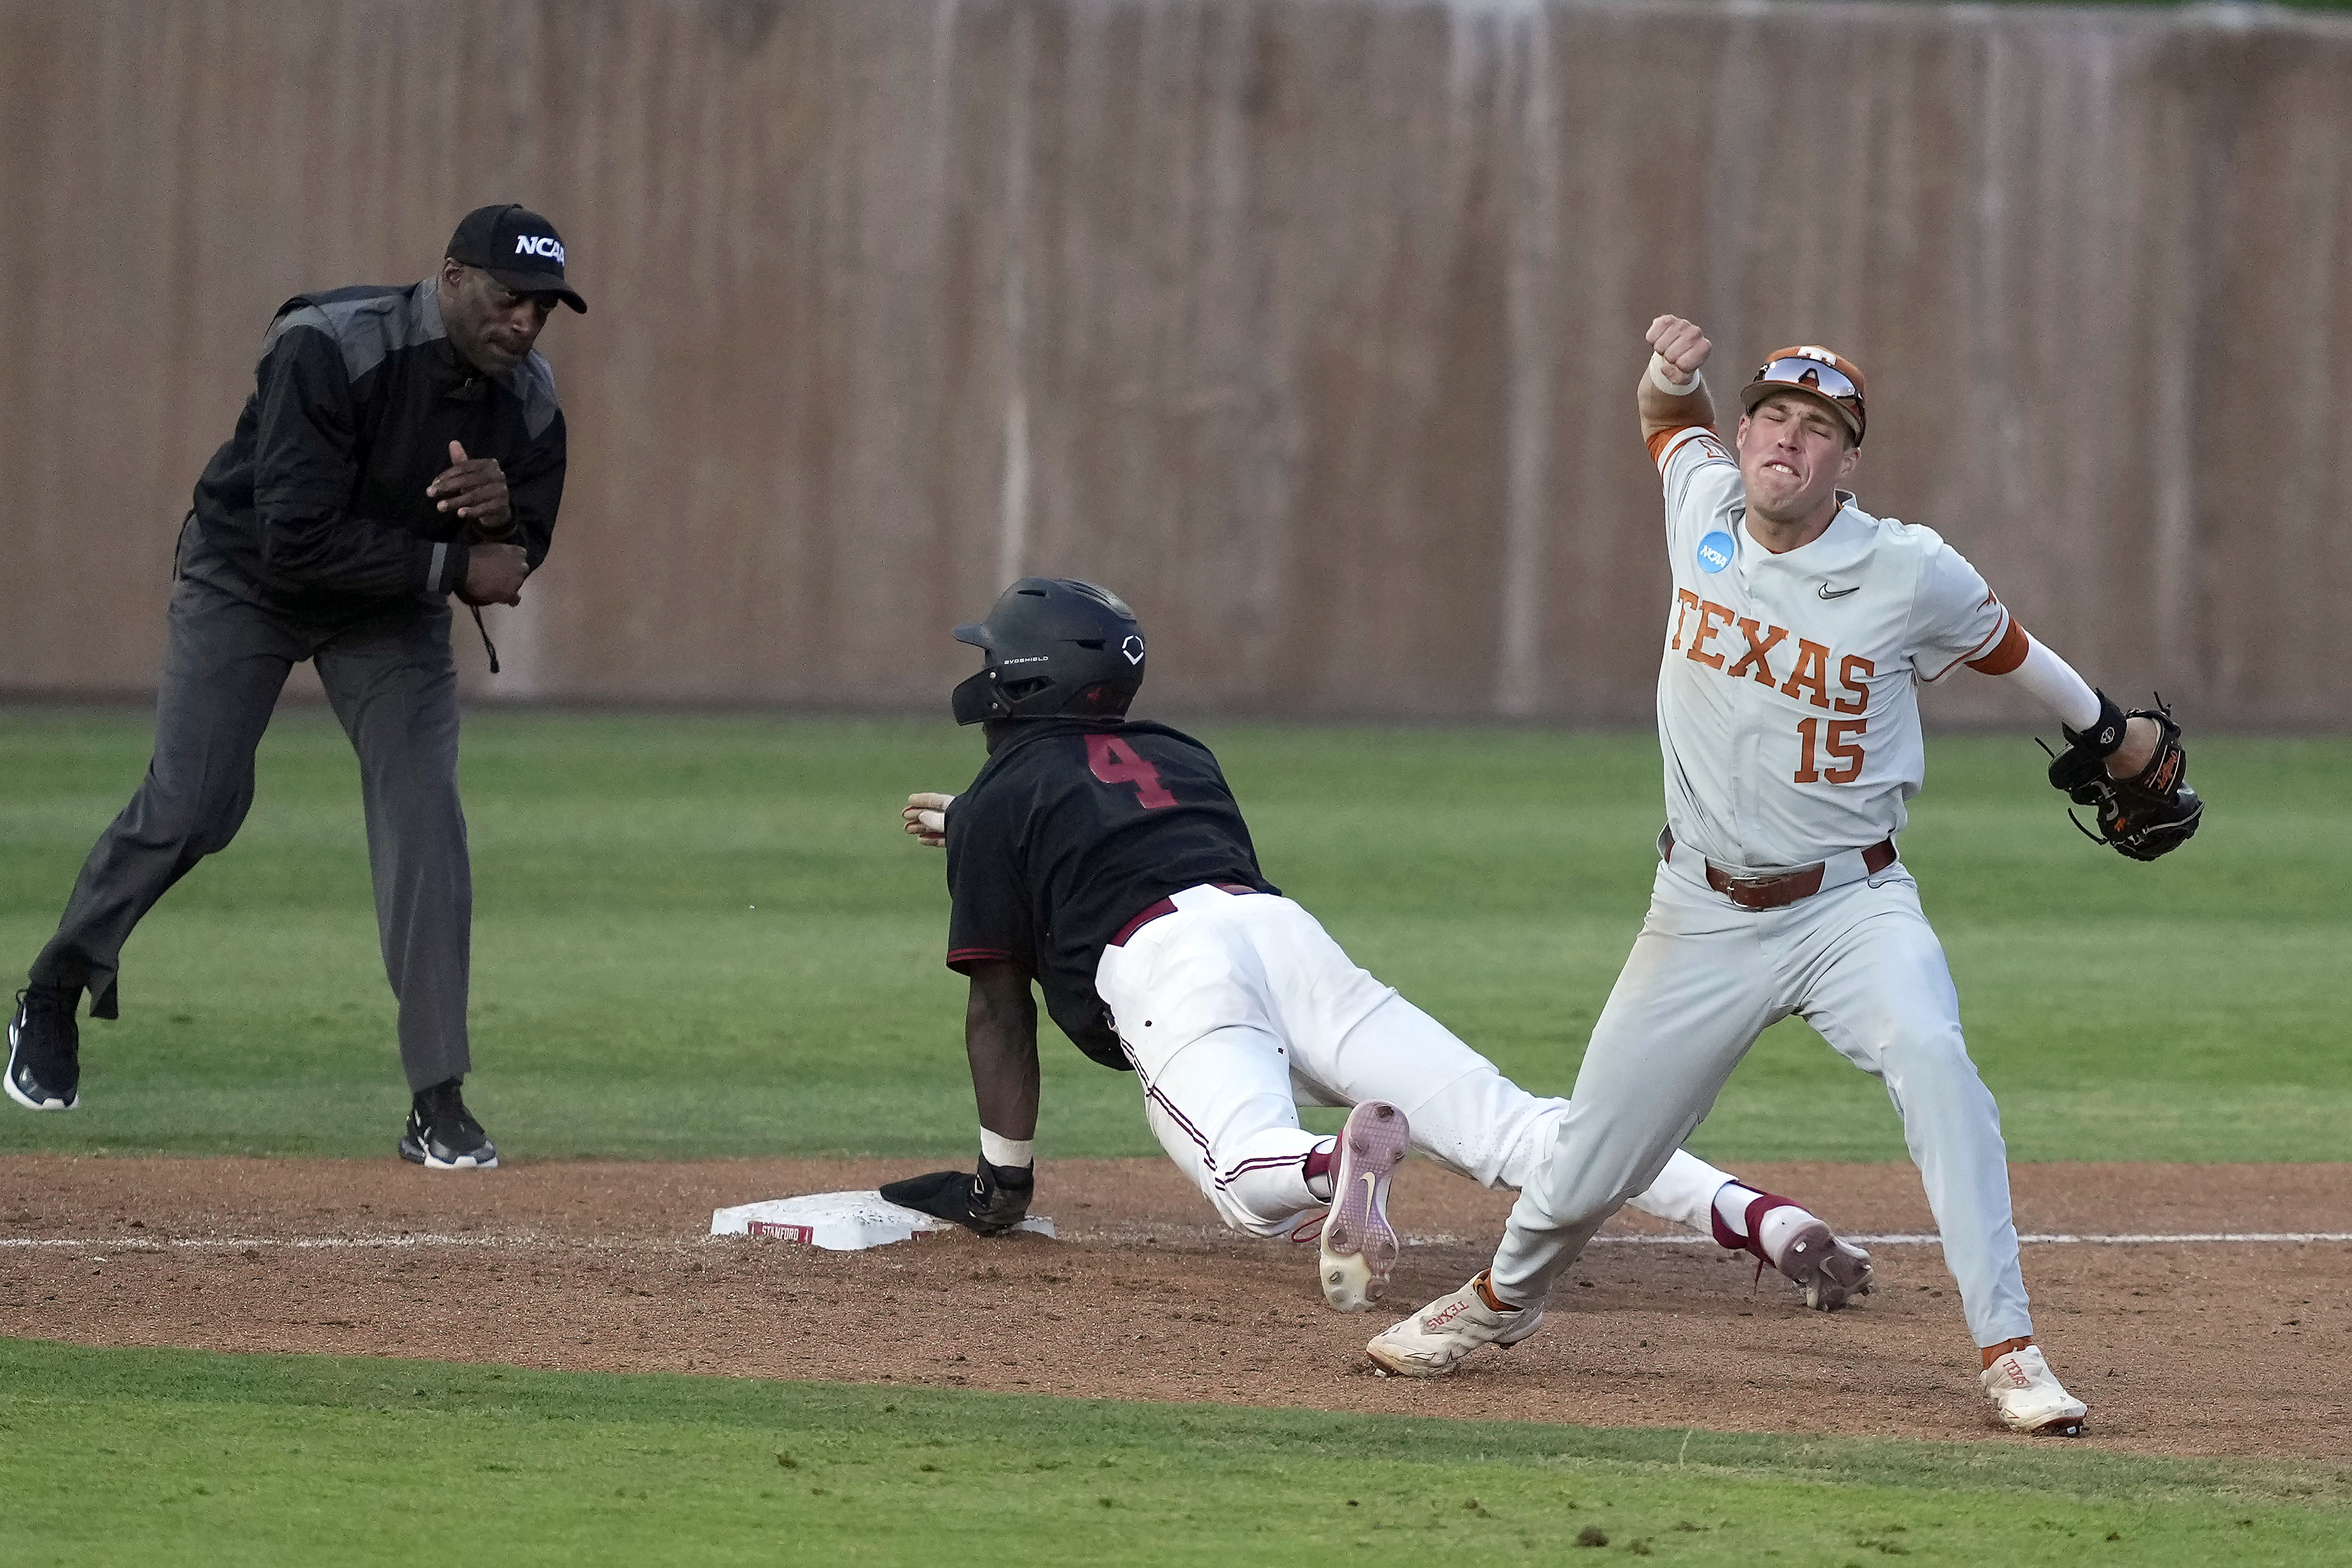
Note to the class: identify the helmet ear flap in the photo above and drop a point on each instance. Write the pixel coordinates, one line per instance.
(977, 699)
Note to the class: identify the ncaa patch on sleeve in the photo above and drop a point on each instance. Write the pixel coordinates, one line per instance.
(1715, 552)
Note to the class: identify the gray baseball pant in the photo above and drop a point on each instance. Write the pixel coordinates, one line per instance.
(1861, 964)
(392, 683)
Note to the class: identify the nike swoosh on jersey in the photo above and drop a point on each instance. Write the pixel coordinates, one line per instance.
(1842, 592)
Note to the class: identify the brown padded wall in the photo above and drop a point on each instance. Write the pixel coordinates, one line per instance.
(1309, 325)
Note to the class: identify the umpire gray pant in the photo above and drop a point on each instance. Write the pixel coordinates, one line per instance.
(392, 683)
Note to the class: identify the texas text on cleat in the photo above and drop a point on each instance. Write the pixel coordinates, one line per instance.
(1360, 1245)
(2027, 1397)
(442, 1134)
(45, 1050)
(1433, 1341)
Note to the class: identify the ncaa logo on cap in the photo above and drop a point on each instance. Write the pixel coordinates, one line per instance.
(519, 249)
(1715, 552)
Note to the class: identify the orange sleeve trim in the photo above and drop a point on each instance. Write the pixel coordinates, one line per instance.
(1665, 438)
(2007, 653)
(1990, 640)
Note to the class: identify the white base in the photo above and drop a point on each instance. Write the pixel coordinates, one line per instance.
(841, 1222)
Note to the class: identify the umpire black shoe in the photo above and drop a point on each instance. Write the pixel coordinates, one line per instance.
(442, 1134)
(45, 1050)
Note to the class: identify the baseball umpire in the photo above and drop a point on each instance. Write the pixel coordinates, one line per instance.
(1107, 859)
(1800, 632)
(402, 445)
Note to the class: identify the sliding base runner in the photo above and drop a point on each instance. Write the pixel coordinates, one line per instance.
(1107, 858)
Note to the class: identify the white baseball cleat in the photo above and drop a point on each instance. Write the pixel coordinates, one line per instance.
(1360, 1245)
(2027, 1397)
(1433, 1341)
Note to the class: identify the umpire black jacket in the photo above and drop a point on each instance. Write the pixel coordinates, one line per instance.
(318, 499)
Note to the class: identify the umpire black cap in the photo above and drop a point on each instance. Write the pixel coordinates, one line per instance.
(1057, 647)
(518, 247)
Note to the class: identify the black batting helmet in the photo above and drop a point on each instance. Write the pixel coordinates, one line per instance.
(1057, 647)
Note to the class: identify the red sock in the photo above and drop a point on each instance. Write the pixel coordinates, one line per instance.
(1319, 1160)
(1753, 1242)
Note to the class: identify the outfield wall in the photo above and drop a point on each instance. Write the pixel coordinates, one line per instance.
(1310, 324)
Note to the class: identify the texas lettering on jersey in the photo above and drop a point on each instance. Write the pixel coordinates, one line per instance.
(1788, 708)
(1838, 739)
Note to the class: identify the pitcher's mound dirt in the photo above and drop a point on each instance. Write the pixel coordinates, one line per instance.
(2187, 1347)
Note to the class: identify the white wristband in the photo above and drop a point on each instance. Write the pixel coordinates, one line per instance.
(1013, 1151)
(1662, 379)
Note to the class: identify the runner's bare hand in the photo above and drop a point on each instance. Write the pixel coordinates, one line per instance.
(926, 816)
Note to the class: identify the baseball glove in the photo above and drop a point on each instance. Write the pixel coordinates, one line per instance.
(991, 1202)
(2150, 813)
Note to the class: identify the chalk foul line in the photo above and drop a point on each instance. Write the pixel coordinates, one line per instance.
(2046, 1238)
(127, 1243)
(122, 1244)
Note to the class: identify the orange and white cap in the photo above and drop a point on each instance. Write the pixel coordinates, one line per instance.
(1810, 368)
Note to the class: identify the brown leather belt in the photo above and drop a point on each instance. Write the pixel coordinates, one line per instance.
(1778, 892)
(1167, 907)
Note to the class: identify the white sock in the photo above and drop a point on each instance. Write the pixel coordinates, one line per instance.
(1731, 1201)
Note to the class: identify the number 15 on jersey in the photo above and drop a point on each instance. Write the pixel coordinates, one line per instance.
(1841, 738)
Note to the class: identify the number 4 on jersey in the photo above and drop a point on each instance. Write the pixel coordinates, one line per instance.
(1115, 762)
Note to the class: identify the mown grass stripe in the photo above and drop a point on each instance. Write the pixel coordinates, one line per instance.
(170, 1455)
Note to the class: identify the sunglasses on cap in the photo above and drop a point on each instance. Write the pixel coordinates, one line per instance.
(1813, 375)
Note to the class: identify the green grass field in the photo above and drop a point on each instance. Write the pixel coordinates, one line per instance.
(237, 1460)
(705, 936)
(700, 936)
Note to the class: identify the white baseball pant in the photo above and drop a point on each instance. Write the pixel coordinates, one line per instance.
(1237, 1008)
(1861, 964)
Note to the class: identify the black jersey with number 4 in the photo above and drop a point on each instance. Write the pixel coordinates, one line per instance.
(1073, 829)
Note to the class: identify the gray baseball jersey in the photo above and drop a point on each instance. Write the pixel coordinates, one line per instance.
(1788, 709)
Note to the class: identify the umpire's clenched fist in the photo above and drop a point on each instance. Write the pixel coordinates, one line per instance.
(494, 575)
(1680, 343)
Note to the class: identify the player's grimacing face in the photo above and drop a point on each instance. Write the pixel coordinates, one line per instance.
(1793, 454)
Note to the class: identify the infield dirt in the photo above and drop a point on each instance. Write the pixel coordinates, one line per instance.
(2219, 1348)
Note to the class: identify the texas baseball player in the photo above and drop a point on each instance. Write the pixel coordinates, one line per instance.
(1107, 859)
(1788, 720)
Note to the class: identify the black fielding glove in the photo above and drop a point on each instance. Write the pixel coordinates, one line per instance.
(2151, 814)
(991, 1202)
